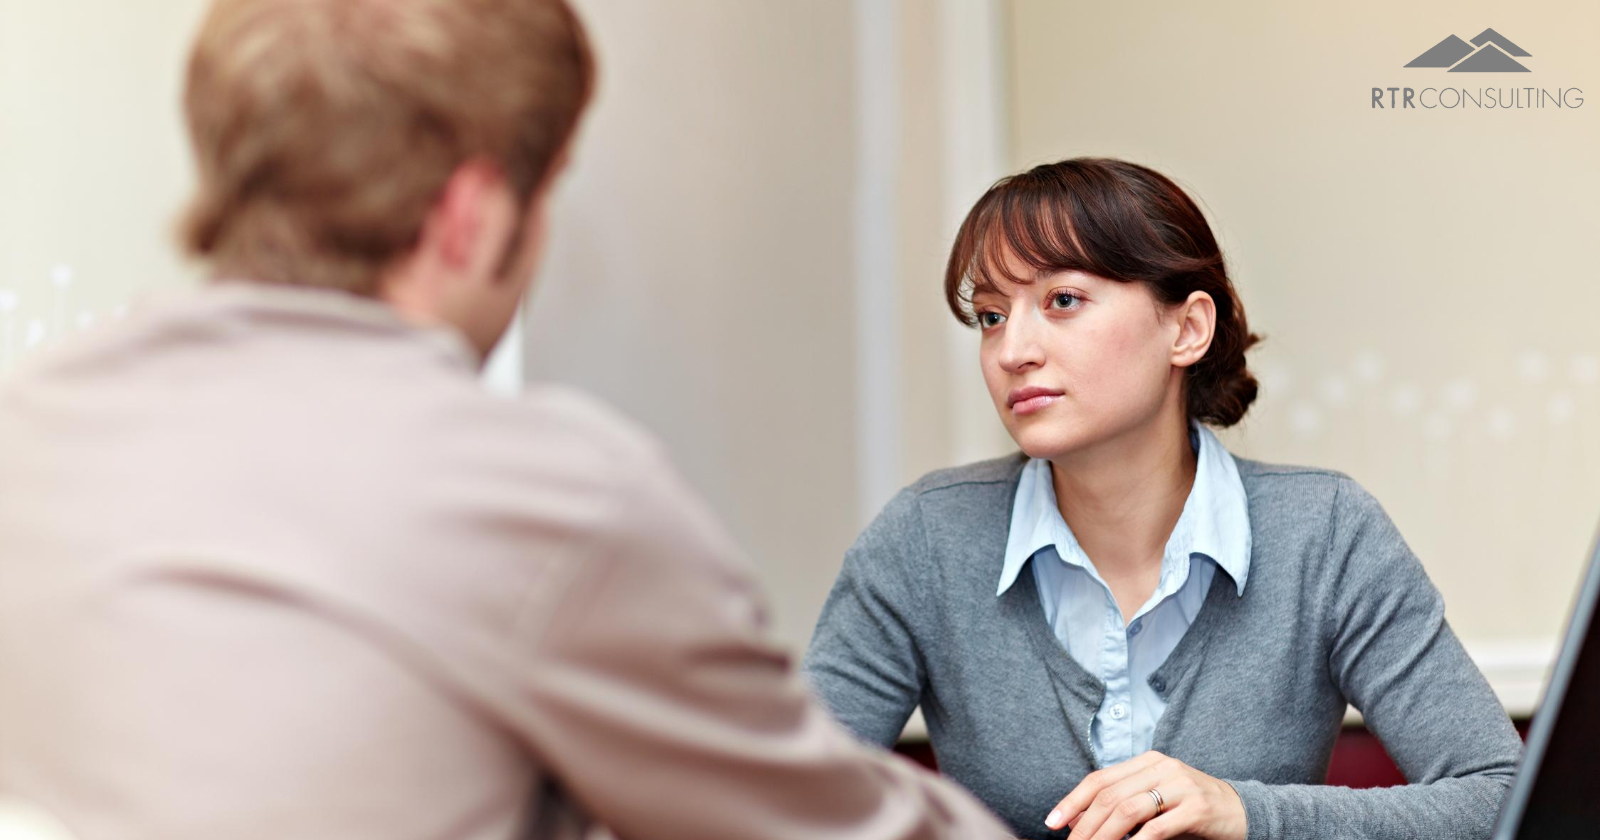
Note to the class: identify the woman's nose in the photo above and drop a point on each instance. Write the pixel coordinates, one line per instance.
(1019, 345)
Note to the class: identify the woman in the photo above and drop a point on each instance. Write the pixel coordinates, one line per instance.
(1123, 624)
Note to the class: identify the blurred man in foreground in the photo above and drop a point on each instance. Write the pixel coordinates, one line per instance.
(272, 565)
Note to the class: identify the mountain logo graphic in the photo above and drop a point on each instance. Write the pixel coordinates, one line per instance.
(1490, 52)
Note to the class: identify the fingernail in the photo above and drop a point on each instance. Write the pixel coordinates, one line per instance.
(1054, 820)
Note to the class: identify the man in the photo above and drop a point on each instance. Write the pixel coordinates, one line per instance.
(272, 565)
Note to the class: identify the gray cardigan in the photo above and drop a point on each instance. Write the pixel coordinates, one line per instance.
(1338, 610)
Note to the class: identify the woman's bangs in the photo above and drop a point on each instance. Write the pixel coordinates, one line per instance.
(1023, 237)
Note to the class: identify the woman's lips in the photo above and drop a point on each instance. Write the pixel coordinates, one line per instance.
(1031, 398)
(1034, 404)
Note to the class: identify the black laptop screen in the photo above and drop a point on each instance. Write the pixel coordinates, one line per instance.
(1557, 791)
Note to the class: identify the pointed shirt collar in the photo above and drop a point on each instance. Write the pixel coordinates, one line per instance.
(1215, 521)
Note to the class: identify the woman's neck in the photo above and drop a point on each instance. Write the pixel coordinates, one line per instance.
(1123, 498)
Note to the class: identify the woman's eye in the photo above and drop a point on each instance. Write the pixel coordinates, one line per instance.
(1065, 300)
(989, 319)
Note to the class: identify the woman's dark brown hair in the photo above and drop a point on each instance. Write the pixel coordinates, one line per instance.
(1120, 221)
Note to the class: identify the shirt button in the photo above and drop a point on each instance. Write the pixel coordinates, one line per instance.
(1119, 711)
(1158, 684)
(1134, 628)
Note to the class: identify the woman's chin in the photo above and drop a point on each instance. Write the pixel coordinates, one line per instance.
(1046, 443)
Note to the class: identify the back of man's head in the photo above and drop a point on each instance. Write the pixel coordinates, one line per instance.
(325, 130)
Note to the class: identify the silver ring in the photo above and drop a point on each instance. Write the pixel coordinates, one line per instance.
(1155, 796)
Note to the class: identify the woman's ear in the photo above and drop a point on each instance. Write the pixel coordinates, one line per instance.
(1197, 323)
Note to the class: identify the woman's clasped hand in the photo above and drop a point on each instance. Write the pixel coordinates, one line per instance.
(1110, 803)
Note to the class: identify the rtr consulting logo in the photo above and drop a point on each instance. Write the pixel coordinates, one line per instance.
(1493, 55)
(1490, 52)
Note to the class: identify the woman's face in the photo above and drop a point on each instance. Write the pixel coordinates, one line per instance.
(1072, 359)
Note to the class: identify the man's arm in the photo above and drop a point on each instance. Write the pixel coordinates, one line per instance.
(658, 701)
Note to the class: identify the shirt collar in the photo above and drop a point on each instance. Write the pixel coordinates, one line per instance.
(335, 305)
(1215, 521)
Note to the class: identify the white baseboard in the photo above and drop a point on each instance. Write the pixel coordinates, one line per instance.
(1517, 669)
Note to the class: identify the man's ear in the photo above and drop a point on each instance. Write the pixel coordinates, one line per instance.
(522, 252)
(473, 220)
(1197, 324)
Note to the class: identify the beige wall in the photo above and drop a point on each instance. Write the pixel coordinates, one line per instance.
(701, 273)
(1425, 278)
(93, 168)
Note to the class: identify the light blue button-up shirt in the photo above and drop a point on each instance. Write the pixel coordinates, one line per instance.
(1213, 531)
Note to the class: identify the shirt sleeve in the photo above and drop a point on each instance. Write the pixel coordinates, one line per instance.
(1395, 658)
(666, 712)
(863, 659)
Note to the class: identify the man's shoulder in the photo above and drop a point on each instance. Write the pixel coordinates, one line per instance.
(585, 414)
(661, 518)
(560, 427)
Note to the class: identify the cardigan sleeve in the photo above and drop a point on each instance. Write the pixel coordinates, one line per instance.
(1395, 658)
(863, 660)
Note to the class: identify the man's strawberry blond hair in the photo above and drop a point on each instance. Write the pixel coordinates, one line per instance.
(324, 130)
